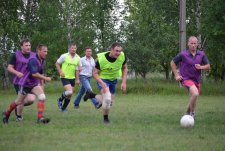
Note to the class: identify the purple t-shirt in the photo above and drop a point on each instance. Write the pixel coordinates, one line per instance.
(187, 64)
(21, 62)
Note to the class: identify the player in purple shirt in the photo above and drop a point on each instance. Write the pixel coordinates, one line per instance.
(30, 82)
(16, 66)
(192, 61)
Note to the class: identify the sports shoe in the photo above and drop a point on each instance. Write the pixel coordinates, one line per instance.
(106, 121)
(64, 110)
(43, 120)
(98, 106)
(5, 118)
(193, 115)
(76, 106)
(19, 118)
(59, 103)
(87, 96)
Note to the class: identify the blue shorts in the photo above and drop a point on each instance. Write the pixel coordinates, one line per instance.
(110, 84)
(68, 81)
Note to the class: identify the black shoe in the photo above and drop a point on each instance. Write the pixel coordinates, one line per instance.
(5, 118)
(87, 96)
(19, 118)
(76, 106)
(98, 106)
(106, 121)
(43, 120)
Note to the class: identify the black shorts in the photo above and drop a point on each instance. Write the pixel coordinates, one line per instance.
(25, 89)
(68, 81)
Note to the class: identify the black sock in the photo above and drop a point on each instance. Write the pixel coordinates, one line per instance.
(65, 104)
(63, 96)
(105, 117)
(92, 95)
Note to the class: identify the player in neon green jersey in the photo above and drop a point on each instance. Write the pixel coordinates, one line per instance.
(109, 66)
(68, 71)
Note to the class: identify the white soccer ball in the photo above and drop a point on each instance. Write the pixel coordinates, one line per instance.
(187, 121)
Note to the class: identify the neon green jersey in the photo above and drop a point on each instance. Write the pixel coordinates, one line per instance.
(110, 70)
(69, 66)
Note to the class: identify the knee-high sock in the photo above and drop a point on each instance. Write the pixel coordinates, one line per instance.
(65, 104)
(40, 107)
(63, 96)
(11, 107)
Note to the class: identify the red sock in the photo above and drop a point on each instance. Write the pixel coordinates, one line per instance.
(11, 107)
(40, 106)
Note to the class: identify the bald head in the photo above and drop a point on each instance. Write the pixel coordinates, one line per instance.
(192, 43)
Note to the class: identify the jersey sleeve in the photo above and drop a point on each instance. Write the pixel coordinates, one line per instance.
(33, 66)
(97, 65)
(125, 61)
(79, 65)
(61, 59)
(205, 60)
(12, 60)
(177, 59)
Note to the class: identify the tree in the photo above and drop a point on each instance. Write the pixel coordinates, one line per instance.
(9, 33)
(213, 23)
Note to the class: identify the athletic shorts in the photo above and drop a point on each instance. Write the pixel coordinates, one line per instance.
(68, 81)
(188, 83)
(25, 89)
(110, 84)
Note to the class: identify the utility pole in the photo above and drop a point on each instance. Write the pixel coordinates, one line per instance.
(182, 28)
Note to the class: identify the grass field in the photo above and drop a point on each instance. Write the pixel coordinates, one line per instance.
(139, 122)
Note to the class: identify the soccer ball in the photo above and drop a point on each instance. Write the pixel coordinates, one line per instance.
(187, 121)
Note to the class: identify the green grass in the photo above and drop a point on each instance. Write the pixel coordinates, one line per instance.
(139, 122)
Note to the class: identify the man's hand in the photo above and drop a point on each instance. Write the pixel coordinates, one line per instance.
(48, 79)
(198, 66)
(178, 77)
(19, 74)
(62, 74)
(123, 87)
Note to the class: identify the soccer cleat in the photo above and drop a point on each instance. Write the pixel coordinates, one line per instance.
(59, 103)
(193, 115)
(106, 121)
(5, 118)
(43, 120)
(76, 106)
(64, 110)
(98, 106)
(87, 96)
(19, 118)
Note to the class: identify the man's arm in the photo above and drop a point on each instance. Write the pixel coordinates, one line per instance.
(12, 70)
(59, 69)
(124, 78)
(99, 80)
(40, 76)
(178, 77)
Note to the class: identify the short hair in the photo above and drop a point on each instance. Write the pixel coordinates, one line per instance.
(40, 46)
(24, 41)
(115, 44)
(72, 44)
(192, 37)
(87, 48)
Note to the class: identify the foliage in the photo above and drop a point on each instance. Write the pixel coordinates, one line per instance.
(214, 31)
